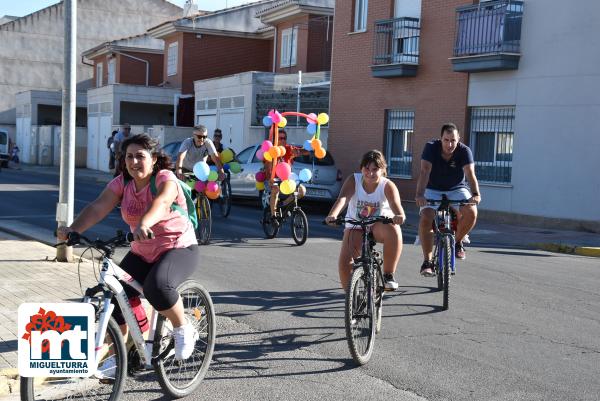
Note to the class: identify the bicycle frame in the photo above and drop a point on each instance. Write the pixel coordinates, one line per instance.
(366, 259)
(445, 217)
(110, 275)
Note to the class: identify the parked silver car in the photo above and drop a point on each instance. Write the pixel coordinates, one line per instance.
(325, 183)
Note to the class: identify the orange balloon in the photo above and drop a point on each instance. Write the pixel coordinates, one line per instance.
(282, 151)
(316, 144)
(320, 153)
(274, 152)
(213, 195)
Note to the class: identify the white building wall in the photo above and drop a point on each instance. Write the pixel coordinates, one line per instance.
(31, 48)
(556, 93)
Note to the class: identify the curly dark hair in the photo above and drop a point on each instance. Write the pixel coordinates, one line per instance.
(374, 156)
(163, 161)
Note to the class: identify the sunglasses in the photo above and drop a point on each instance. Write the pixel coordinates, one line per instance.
(281, 138)
(201, 136)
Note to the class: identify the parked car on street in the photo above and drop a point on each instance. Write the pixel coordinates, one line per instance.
(325, 184)
(172, 150)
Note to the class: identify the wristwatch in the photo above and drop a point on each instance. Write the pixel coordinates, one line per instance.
(475, 193)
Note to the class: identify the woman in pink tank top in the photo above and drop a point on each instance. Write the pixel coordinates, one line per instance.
(165, 251)
(369, 194)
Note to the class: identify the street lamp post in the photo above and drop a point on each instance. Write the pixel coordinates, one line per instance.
(64, 208)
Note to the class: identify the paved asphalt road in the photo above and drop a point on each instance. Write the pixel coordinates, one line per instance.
(522, 325)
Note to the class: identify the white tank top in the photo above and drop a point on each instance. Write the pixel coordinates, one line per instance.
(363, 205)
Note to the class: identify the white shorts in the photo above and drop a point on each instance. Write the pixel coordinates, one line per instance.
(454, 195)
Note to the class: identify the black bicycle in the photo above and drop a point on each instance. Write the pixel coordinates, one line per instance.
(224, 200)
(444, 227)
(298, 221)
(364, 298)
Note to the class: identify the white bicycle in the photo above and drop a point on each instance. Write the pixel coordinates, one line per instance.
(177, 378)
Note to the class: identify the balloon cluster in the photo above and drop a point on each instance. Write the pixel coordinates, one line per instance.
(208, 175)
(269, 152)
(289, 180)
(313, 128)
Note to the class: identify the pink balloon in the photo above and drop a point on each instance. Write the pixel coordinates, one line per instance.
(200, 186)
(212, 186)
(266, 145)
(275, 116)
(260, 176)
(312, 118)
(260, 154)
(283, 170)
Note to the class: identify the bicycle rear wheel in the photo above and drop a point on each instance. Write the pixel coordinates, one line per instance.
(447, 250)
(225, 198)
(204, 219)
(180, 378)
(270, 226)
(105, 384)
(359, 316)
(299, 226)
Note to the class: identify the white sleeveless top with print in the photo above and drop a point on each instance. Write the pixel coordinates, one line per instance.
(363, 205)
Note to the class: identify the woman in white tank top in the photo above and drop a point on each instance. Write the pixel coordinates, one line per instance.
(368, 194)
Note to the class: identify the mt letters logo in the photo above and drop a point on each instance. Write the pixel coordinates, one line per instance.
(56, 339)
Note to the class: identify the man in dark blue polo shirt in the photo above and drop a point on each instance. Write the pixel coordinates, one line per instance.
(446, 166)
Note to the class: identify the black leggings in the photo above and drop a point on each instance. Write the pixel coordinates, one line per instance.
(161, 278)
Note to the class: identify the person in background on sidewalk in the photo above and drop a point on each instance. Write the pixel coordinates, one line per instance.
(110, 144)
(165, 251)
(445, 163)
(369, 194)
(120, 137)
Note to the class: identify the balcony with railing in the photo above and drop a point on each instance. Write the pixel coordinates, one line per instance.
(396, 48)
(488, 36)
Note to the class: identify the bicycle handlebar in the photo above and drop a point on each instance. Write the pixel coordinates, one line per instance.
(363, 223)
(74, 238)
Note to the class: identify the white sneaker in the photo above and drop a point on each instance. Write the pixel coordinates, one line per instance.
(185, 341)
(466, 240)
(107, 368)
(417, 241)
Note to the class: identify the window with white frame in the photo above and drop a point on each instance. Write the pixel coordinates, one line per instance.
(289, 41)
(112, 66)
(398, 142)
(172, 58)
(99, 72)
(360, 15)
(492, 138)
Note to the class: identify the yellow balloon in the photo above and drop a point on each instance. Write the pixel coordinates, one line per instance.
(281, 151)
(260, 186)
(320, 153)
(287, 187)
(322, 118)
(282, 123)
(267, 156)
(226, 156)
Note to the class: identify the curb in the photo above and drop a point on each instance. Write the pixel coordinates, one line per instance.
(569, 249)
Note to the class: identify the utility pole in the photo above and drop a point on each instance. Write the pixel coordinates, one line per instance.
(64, 208)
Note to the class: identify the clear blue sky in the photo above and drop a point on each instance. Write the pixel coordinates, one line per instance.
(23, 7)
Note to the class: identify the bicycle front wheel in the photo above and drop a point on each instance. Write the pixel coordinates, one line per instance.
(379, 290)
(438, 267)
(180, 378)
(359, 316)
(204, 220)
(105, 384)
(225, 198)
(299, 226)
(447, 260)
